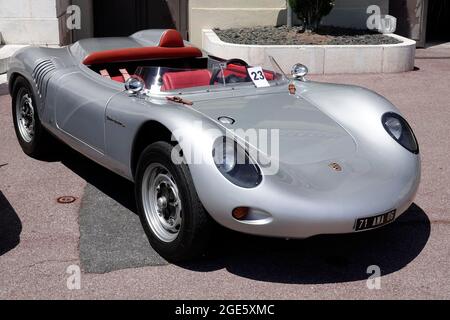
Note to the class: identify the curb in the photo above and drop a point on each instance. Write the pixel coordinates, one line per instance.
(3, 78)
(3, 65)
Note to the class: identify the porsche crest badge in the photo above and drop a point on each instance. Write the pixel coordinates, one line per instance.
(335, 166)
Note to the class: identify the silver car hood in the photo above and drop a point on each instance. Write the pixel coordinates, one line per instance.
(306, 134)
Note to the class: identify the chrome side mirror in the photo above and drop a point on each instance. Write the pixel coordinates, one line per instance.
(134, 85)
(299, 71)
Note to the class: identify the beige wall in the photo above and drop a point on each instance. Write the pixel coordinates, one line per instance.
(29, 22)
(204, 14)
(43, 22)
(232, 13)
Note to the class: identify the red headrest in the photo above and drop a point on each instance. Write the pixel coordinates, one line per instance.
(171, 39)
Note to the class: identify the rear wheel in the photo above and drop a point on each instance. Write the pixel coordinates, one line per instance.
(32, 136)
(177, 225)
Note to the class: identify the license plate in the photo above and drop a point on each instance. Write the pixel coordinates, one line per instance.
(375, 221)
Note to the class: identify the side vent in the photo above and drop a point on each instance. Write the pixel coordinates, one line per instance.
(41, 74)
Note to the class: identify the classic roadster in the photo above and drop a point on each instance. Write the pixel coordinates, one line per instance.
(206, 139)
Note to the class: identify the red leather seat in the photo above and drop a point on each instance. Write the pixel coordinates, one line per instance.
(185, 79)
(198, 78)
(235, 69)
(241, 71)
(118, 79)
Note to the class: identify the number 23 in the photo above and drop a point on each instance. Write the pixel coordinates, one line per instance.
(258, 75)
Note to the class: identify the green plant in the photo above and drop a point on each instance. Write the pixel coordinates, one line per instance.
(311, 12)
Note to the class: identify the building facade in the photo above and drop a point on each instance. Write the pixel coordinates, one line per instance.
(43, 22)
(207, 14)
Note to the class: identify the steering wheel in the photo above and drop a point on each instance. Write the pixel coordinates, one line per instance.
(240, 62)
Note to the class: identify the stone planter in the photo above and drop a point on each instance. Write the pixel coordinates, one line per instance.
(320, 59)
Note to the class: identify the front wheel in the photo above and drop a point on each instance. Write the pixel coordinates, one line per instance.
(177, 225)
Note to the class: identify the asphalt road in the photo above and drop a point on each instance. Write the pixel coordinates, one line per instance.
(40, 239)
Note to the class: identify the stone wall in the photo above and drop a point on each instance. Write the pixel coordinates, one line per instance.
(29, 22)
(204, 14)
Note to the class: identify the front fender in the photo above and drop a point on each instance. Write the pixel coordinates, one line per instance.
(357, 110)
(22, 63)
(125, 116)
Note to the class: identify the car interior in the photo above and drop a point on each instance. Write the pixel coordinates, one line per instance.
(195, 70)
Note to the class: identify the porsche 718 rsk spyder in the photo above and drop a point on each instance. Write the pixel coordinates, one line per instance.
(181, 125)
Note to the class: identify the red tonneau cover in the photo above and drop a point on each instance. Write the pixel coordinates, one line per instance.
(171, 45)
(145, 53)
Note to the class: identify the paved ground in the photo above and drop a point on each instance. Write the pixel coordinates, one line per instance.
(111, 235)
(40, 238)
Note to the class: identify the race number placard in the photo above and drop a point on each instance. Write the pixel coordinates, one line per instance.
(258, 77)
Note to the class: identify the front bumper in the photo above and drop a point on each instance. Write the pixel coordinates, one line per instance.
(307, 200)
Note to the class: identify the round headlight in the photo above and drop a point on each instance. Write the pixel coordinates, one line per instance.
(399, 129)
(228, 158)
(394, 126)
(235, 164)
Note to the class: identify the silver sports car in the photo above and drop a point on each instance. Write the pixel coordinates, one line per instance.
(206, 139)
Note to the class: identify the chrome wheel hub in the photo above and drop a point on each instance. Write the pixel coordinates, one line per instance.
(161, 202)
(25, 117)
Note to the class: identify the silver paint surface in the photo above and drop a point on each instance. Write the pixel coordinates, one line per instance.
(322, 124)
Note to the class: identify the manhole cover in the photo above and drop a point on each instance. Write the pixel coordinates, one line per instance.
(66, 199)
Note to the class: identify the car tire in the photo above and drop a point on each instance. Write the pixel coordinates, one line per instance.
(175, 221)
(33, 137)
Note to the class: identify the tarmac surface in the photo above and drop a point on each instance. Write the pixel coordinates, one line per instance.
(40, 238)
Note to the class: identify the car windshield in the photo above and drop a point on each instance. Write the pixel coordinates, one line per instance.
(234, 73)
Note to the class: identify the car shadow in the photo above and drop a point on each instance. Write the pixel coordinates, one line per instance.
(10, 226)
(111, 184)
(320, 259)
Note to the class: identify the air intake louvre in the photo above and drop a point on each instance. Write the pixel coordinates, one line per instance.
(41, 74)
